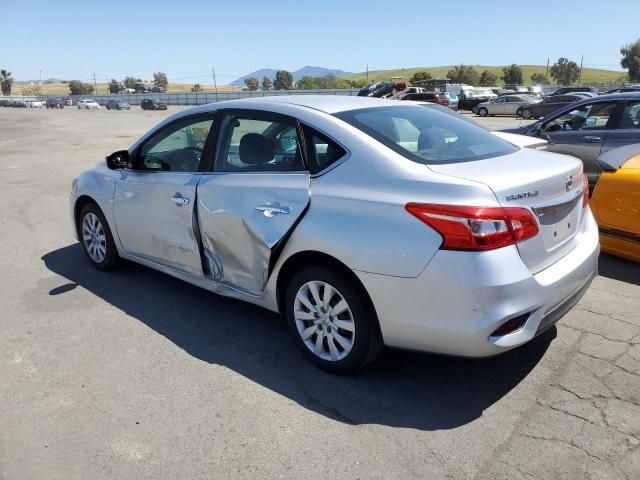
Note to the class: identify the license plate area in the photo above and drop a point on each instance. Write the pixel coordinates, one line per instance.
(559, 223)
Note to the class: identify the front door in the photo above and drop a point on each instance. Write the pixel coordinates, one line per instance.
(257, 193)
(581, 132)
(154, 202)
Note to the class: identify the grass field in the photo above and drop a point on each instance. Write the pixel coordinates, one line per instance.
(589, 75)
(62, 89)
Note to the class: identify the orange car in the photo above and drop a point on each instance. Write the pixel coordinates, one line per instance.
(616, 202)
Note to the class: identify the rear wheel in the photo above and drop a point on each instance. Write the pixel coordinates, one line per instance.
(483, 112)
(331, 321)
(526, 114)
(96, 239)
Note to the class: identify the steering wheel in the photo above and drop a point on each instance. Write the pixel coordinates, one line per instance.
(186, 159)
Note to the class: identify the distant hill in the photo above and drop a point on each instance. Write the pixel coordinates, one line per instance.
(297, 75)
(589, 75)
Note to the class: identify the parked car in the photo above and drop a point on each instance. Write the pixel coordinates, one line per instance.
(546, 106)
(54, 103)
(587, 128)
(68, 101)
(464, 257)
(5, 102)
(378, 89)
(504, 105)
(566, 90)
(18, 104)
(443, 98)
(470, 99)
(152, 104)
(158, 90)
(88, 104)
(118, 105)
(399, 95)
(622, 90)
(128, 90)
(35, 103)
(616, 202)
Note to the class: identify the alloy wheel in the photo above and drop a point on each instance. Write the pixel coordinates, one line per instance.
(526, 114)
(324, 320)
(94, 237)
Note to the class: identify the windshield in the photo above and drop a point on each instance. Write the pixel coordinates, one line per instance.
(427, 136)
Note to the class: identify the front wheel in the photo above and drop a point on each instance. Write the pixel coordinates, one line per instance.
(526, 114)
(331, 321)
(96, 239)
(483, 112)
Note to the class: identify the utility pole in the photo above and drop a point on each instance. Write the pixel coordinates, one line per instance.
(213, 74)
(41, 80)
(95, 85)
(546, 76)
(367, 73)
(580, 74)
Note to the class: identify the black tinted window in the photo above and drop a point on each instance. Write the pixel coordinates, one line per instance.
(322, 150)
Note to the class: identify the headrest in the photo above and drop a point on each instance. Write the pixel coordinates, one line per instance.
(430, 138)
(256, 149)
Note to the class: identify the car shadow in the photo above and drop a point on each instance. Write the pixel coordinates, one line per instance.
(403, 389)
(618, 268)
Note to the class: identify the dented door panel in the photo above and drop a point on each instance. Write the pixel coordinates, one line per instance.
(242, 217)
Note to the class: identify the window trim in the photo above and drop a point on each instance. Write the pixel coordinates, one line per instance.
(204, 160)
(260, 115)
(332, 165)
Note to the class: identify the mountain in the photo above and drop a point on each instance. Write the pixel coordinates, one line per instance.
(297, 75)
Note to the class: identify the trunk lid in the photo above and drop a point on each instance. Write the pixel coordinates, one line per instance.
(547, 184)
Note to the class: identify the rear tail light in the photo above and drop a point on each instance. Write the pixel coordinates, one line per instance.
(585, 191)
(476, 228)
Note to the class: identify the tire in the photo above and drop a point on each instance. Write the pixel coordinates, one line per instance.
(96, 238)
(526, 114)
(483, 112)
(474, 109)
(360, 341)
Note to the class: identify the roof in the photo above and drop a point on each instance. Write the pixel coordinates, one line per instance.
(325, 103)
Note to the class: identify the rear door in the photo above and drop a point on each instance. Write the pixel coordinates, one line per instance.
(581, 132)
(627, 129)
(251, 201)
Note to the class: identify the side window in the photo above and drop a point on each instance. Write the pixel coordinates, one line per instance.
(594, 116)
(631, 116)
(258, 144)
(176, 149)
(322, 150)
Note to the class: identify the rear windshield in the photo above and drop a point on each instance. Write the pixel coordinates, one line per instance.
(426, 136)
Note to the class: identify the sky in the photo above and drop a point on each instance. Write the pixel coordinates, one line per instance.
(113, 38)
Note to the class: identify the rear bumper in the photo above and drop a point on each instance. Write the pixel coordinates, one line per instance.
(461, 298)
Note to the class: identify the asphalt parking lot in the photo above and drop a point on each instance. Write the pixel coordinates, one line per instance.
(134, 375)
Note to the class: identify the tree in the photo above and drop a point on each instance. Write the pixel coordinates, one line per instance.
(76, 87)
(266, 83)
(196, 88)
(283, 80)
(487, 79)
(463, 74)
(6, 82)
(160, 80)
(565, 72)
(358, 83)
(306, 83)
(130, 82)
(114, 86)
(539, 79)
(252, 83)
(631, 60)
(419, 77)
(512, 75)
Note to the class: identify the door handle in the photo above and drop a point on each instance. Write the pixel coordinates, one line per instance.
(591, 139)
(179, 200)
(272, 210)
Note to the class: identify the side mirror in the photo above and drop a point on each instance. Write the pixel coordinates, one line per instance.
(118, 160)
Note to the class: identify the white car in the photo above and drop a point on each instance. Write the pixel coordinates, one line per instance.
(86, 104)
(34, 104)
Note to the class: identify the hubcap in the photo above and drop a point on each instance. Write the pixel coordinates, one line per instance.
(324, 320)
(94, 238)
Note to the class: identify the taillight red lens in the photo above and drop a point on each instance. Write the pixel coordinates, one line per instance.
(476, 228)
(585, 192)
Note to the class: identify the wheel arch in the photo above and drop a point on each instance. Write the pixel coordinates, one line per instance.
(81, 202)
(308, 258)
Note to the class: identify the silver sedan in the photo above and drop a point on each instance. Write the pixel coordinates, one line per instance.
(505, 105)
(363, 222)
